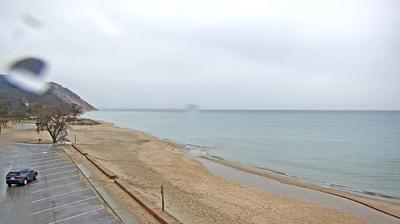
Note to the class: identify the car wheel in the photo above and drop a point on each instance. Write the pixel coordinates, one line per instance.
(35, 177)
(9, 185)
(25, 181)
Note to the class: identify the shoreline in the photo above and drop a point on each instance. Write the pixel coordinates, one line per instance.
(306, 180)
(326, 187)
(199, 151)
(364, 200)
(193, 190)
(371, 201)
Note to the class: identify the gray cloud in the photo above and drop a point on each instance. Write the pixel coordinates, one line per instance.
(331, 55)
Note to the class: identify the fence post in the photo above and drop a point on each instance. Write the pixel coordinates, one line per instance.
(162, 197)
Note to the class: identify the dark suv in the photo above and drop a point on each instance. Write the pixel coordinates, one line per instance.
(20, 176)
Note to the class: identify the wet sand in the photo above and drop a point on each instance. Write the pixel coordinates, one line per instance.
(195, 194)
(299, 193)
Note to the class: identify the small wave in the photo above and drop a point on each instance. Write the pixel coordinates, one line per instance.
(193, 146)
(380, 195)
(196, 150)
(217, 157)
(198, 146)
(366, 192)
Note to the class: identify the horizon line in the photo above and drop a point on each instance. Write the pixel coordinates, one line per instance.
(230, 109)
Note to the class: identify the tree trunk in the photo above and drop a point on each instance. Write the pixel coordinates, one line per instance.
(54, 139)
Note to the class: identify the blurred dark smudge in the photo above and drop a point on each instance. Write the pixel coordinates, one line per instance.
(27, 74)
(31, 21)
(34, 65)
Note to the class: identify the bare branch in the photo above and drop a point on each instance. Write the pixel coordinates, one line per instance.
(52, 119)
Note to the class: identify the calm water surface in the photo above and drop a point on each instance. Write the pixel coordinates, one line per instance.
(359, 150)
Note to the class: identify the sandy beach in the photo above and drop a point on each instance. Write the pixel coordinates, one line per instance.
(391, 207)
(193, 193)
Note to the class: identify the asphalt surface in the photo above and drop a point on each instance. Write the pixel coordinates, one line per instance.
(58, 196)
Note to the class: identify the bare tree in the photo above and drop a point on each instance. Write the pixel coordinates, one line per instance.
(52, 119)
(18, 110)
(76, 110)
(5, 111)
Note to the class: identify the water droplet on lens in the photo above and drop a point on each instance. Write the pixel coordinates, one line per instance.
(27, 74)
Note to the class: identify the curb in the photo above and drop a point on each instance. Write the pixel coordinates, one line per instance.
(103, 169)
(79, 150)
(93, 186)
(162, 217)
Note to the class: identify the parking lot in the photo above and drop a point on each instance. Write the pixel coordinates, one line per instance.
(59, 195)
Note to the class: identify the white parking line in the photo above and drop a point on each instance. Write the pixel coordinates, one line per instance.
(44, 158)
(34, 149)
(56, 168)
(58, 186)
(46, 161)
(9, 155)
(30, 144)
(58, 195)
(33, 154)
(75, 216)
(50, 174)
(40, 155)
(60, 206)
(55, 179)
(64, 162)
(31, 159)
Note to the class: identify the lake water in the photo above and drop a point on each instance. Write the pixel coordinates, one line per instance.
(354, 150)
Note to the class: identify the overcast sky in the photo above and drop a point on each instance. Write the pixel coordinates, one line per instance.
(220, 54)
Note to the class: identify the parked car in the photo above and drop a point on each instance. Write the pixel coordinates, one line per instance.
(21, 176)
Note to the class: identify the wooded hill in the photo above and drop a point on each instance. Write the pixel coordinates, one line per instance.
(14, 102)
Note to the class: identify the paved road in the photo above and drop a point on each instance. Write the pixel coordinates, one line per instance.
(59, 196)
